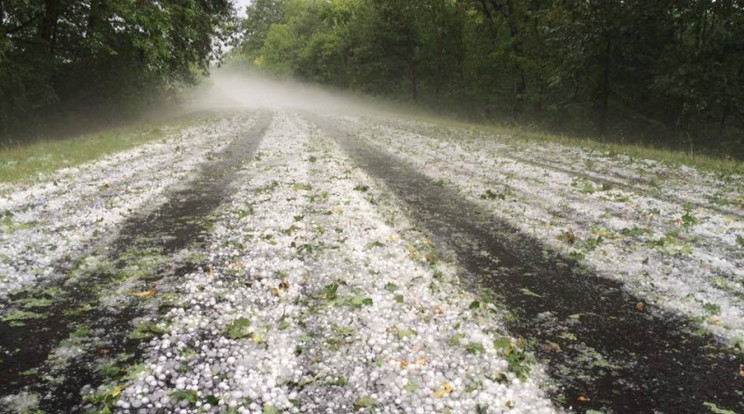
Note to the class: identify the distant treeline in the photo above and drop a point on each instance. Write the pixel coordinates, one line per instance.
(665, 71)
(66, 62)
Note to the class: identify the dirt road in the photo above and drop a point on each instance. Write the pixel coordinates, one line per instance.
(290, 262)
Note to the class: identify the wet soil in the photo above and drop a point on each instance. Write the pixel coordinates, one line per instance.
(180, 223)
(604, 350)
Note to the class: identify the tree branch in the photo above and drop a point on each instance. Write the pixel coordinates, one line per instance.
(23, 25)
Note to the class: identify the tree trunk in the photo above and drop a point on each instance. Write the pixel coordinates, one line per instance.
(48, 30)
(724, 116)
(489, 20)
(441, 76)
(412, 77)
(519, 90)
(604, 93)
(509, 14)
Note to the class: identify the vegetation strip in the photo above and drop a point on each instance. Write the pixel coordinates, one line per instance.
(639, 361)
(175, 225)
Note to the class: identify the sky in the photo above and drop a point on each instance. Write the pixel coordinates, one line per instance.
(240, 5)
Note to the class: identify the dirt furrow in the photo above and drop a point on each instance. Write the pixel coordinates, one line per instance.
(88, 301)
(615, 177)
(604, 351)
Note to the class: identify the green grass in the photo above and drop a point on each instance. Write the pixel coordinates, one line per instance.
(26, 162)
(703, 162)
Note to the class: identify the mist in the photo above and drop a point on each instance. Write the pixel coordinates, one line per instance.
(231, 90)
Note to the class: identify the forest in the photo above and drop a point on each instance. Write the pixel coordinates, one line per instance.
(70, 63)
(666, 72)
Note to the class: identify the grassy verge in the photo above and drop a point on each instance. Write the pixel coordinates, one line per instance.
(703, 162)
(26, 162)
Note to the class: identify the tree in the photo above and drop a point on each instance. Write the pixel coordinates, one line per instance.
(65, 58)
(670, 68)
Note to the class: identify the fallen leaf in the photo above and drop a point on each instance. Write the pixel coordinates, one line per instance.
(276, 291)
(445, 389)
(438, 310)
(741, 371)
(583, 399)
(144, 294)
(421, 361)
(236, 265)
(640, 307)
(105, 351)
(284, 285)
(117, 390)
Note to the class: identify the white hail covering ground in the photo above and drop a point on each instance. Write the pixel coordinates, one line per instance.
(319, 297)
(76, 206)
(672, 235)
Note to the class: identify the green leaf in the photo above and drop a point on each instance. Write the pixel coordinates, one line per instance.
(239, 329)
(372, 245)
(712, 308)
(688, 220)
(716, 409)
(302, 186)
(633, 231)
(331, 291)
(269, 409)
(17, 317)
(365, 402)
(455, 339)
(474, 305)
(404, 333)
(502, 343)
(182, 395)
(490, 195)
(134, 371)
(475, 348)
(358, 302)
(576, 255)
(528, 292)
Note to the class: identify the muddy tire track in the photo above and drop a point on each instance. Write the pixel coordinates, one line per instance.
(178, 224)
(599, 345)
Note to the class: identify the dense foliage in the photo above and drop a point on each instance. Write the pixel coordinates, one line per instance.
(93, 59)
(666, 69)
